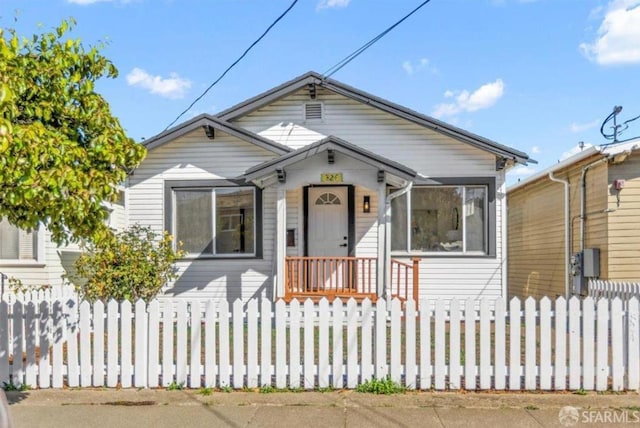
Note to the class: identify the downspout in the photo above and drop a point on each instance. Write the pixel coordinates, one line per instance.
(567, 229)
(387, 234)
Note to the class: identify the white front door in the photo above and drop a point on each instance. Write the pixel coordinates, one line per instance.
(328, 222)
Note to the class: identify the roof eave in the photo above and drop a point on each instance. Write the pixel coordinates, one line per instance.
(267, 168)
(206, 119)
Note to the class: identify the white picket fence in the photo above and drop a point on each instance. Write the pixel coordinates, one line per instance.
(490, 344)
(47, 294)
(610, 289)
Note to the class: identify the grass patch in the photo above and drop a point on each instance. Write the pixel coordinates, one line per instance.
(381, 386)
(205, 391)
(11, 387)
(173, 386)
(266, 389)
(226, 389)
(580, 391)
(531, 407)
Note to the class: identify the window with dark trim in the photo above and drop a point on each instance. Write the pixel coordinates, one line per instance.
(448, 218)
(212, 219)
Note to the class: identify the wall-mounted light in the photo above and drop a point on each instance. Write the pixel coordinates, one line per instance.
(366, 204)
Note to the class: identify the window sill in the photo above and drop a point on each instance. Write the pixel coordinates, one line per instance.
(442, 255)
(21, 264)
(194, 257)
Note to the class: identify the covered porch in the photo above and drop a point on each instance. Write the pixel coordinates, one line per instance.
(332, 223)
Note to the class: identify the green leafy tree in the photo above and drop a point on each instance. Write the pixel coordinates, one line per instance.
(62, 152)
(131, 265)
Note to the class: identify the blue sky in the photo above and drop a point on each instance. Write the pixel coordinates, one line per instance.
(537, 75)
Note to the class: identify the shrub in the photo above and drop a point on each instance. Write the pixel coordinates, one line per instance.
(131, 265)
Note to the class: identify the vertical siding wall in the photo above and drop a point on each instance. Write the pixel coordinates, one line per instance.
(430, 153)
(624, 230)
(536, 229)
(195, 157)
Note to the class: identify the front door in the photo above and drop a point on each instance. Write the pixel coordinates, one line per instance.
(328, 233)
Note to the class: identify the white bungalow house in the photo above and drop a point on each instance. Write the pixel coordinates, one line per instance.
(315, 188)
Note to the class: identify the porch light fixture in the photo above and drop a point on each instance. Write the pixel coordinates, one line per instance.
(366, 204)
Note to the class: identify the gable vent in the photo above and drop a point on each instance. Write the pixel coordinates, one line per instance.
(313, 111)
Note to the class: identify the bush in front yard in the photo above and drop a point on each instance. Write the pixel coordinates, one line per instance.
(131, 265)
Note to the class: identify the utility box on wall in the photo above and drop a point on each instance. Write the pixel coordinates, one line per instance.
(591, 263)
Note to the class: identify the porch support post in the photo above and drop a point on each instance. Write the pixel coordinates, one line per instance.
(281, 242)
(382, 235)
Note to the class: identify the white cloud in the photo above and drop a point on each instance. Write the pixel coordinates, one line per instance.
(522, 170)
(464, 101)
(581, 127)
(618, 40)
(332, 4)
(422, 64)
(171, 87)
(574, 151)
(535, 150)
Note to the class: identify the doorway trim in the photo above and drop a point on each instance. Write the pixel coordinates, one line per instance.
(351, 217)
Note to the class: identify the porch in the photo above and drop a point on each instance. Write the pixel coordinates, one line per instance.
(347, 277)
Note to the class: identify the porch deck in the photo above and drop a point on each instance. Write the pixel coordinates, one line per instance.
(345, 278)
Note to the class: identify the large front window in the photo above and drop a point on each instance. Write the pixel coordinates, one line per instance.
(215, 221)
(440, 219)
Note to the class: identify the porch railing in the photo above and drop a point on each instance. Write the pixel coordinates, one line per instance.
(330, 277)
(405, 279)
(347, 277)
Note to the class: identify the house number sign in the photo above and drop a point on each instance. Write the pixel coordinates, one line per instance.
(331, 177)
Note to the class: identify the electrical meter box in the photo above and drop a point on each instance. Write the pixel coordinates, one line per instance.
(591, 263)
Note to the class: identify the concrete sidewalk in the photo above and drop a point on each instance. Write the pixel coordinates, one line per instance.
(102, 408)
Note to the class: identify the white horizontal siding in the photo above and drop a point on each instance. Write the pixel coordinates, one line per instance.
(428, 152)
(366, 223)
(195, 157)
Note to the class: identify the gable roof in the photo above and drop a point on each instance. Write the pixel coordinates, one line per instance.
(312, 77)
(330, 143)
(209, 120)
(608, 151)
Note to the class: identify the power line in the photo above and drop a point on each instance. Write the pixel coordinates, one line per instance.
(353, 55)
(273, 24)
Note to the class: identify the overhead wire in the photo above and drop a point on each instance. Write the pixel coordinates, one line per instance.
(617, 129)
(353, 55)
(273, 24)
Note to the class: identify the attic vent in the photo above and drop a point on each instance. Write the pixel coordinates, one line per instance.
(313, 111)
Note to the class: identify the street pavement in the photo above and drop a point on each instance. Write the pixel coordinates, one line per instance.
(159, 408)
